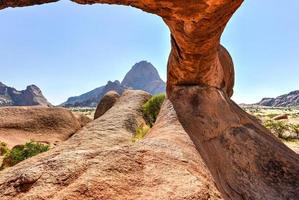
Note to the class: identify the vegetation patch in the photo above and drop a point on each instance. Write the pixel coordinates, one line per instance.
(23, 152)
(150, 112)
(141, 131)
(3, 148)
(282, 129)
(152, 108)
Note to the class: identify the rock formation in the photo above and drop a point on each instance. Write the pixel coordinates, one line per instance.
(91, 99)
(19, 125)
(32, 96)
(100, 162)
(106, 103)
(286, 100)
(142, 76)
(245, 160)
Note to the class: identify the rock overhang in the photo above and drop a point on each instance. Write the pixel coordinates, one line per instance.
(196, 28)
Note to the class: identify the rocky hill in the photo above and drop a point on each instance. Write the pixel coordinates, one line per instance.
(142, 76)
(101, 162)
(287, 100)
(31, 96)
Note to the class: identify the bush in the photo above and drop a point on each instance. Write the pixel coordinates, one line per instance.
(283, 130)
(152, 107)
(3, 148)
(23, 152)
(277, 127)
(141, 131)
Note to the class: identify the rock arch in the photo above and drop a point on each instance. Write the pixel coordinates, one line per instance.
(246, 161)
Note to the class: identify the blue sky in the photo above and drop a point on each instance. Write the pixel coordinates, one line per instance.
(68, 49)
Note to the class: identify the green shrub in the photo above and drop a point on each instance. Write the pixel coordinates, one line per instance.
(283, 130)
(3, 148)
(296, 128)
(23, 152)
(152, 107)
(277, 127)
(141, 131)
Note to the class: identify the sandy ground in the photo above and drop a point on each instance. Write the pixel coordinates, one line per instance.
(16, 137)
(87, 111)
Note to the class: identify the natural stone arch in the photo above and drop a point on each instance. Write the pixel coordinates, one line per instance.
(196, 28)
(246, 161)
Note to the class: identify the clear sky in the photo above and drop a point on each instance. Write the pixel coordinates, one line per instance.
(68, 49)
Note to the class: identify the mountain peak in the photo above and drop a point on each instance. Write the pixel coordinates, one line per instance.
(33, 88)
(29, 97)
(145, 67)
(142, 76)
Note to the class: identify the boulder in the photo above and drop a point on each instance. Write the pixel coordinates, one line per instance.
(101, 162)
(281, 117)
(83, 119)
(241, 154)
(108, 100)
(19, 125)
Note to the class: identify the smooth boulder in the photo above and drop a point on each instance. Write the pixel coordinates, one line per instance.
(108, 100)
(19, 125)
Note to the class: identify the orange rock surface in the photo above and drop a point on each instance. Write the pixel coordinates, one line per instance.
(244, 159)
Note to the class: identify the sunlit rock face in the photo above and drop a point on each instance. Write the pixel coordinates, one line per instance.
(196, 27)
(245, 160)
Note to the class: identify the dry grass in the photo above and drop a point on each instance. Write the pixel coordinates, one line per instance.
(287, 130)
(89, 112)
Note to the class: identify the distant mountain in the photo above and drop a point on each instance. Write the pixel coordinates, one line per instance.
(32, 96)
(142, 76)
(287, 100)
(91, 99)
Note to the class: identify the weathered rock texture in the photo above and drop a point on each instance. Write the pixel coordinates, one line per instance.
(19, 125)
(106, 103)
(244, 159)
(100, 162)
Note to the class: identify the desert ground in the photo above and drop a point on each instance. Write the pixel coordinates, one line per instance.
(287, 129)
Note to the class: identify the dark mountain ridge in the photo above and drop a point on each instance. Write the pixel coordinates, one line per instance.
(287, 100)
(31, 96)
